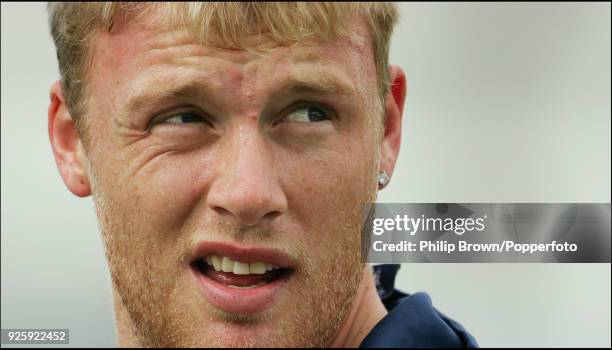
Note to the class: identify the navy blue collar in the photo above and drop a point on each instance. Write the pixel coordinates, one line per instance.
(412, 321)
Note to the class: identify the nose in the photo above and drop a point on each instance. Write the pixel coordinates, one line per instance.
(246, 188)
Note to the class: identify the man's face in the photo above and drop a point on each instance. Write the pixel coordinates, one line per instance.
(199, 151)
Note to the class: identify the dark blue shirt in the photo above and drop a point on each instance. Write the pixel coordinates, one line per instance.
(412, 321)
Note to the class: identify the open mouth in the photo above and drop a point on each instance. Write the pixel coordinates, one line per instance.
(241, 279)
(235, 274)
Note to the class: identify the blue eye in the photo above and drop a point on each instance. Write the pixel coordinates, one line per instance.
(307, 115)
(182, 118)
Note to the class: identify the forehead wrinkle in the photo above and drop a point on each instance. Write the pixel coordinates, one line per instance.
(302, 69)
(300, 79)
(182, 76)
(244, 70)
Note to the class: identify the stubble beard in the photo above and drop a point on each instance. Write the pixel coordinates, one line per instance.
(161, 305)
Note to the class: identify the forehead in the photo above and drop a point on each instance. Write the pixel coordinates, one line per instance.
(147, 40)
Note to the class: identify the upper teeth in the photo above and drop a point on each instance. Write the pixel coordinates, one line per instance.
(226, 264)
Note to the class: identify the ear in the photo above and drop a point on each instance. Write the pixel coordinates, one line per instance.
(394, 109)
(66, 144)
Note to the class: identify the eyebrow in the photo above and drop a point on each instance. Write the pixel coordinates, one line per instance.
(166, 90)
(302, 84)
(319, 84)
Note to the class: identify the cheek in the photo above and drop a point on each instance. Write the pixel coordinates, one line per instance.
(326, 194)
(180, 192)
(168, 192)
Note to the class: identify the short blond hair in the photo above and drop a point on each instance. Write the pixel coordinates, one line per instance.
(73, 25)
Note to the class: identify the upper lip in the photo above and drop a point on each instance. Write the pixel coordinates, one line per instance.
(243, 253)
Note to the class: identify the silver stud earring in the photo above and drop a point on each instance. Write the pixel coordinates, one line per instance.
(383, 179)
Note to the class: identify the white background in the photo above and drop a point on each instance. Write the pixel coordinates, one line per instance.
(506, 103)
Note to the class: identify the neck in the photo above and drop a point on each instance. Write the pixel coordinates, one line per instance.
(365, 312)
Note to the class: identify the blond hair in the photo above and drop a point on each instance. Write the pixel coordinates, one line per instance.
(73, 25)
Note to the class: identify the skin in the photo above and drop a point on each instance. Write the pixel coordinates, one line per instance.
(251, 170)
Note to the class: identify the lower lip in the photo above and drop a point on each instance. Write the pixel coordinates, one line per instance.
(240, 301)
